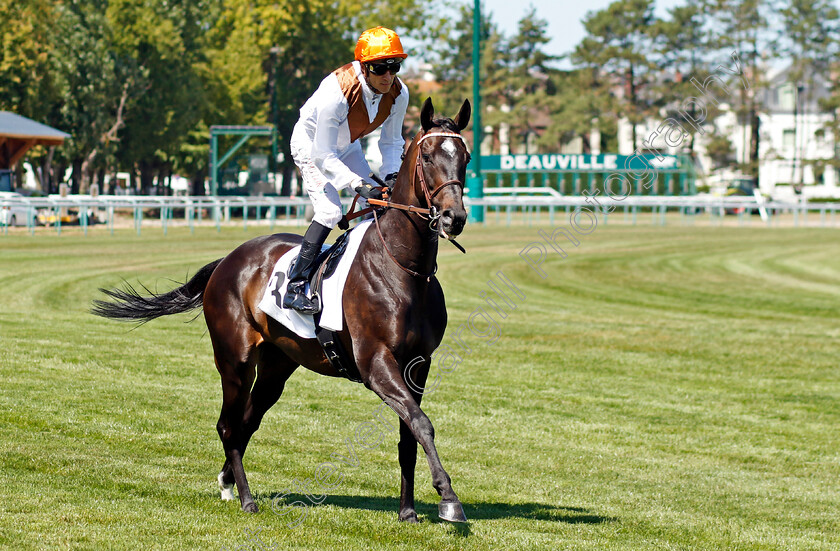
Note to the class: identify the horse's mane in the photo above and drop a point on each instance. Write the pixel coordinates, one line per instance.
(447, 124)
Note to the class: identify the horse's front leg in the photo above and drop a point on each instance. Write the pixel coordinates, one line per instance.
(387, 382)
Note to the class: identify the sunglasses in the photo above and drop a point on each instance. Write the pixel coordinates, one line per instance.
(380, 69)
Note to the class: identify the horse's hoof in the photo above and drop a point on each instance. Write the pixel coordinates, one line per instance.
(225, 489)
(250, 507)
(451, 511)
(410, 517)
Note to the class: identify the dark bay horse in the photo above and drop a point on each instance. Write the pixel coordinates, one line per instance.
(394, 311)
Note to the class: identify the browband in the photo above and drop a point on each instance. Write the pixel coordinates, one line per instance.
(444, 135)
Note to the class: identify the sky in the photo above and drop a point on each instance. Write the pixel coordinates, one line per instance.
(564, 19)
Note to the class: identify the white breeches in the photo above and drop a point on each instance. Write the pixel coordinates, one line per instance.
(323, 195)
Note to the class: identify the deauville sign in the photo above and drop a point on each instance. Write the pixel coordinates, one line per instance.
(580, 162)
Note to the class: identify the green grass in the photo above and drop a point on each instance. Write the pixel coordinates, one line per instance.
(662, 388)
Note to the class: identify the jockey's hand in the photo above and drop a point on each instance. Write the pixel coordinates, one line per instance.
(390, 180)
(369, 191)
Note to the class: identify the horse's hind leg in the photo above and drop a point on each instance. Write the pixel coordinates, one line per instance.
(273, 370)
(407, 449)
(235, 360)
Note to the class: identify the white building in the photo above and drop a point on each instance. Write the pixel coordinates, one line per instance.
(794, 147)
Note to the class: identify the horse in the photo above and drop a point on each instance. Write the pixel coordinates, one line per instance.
(393, 307)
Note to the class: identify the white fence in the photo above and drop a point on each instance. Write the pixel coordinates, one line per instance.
(108, 209)
(191, 211)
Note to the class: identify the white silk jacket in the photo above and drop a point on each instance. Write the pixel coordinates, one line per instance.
(343, 109)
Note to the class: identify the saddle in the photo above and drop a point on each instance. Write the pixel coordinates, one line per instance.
(327, 262)
(339, 358)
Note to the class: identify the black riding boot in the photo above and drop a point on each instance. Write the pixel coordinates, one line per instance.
(301, 270)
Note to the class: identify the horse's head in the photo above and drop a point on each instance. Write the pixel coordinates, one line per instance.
(441, 156)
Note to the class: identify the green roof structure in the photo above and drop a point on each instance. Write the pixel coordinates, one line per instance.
(19, 134)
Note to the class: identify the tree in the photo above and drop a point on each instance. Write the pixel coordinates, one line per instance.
(579, 101)
(720, 151)
(526, 86)
(273, 55)
(24, 57)
(138, 84)
(311, 44)
(27, 86)
(683, 51)
(93, 91)
(56, 67)
(742, 26)
(619, 43)
(809, 34)
(156, 41)
(451, 56)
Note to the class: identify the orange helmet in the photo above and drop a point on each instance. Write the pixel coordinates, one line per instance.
(379, 43)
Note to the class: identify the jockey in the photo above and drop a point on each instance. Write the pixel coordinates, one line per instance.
(351, 102)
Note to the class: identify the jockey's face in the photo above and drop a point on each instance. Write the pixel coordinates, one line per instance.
(381, 83)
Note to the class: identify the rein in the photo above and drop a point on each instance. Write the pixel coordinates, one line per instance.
(429, 213)
(423, 212)
(397, 262)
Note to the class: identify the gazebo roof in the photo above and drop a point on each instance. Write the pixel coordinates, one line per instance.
(19, 134)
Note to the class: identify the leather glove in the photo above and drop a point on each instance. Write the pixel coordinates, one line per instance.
(390, 180)
(368, 191)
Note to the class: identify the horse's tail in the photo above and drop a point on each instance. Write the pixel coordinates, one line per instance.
(130, 305)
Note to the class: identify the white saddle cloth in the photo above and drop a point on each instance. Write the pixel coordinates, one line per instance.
(332, 290)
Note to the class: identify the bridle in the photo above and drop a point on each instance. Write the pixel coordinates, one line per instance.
(418, 169)
(431, 213)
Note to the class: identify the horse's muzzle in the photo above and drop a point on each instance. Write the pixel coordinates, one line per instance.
(452, 221)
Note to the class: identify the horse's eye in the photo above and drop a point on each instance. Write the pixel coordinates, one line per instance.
(426, 158)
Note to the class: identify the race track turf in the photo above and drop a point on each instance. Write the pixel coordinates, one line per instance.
(659, 388)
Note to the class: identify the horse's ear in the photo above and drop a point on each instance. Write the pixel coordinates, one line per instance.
(463, 116)
(426, 114)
